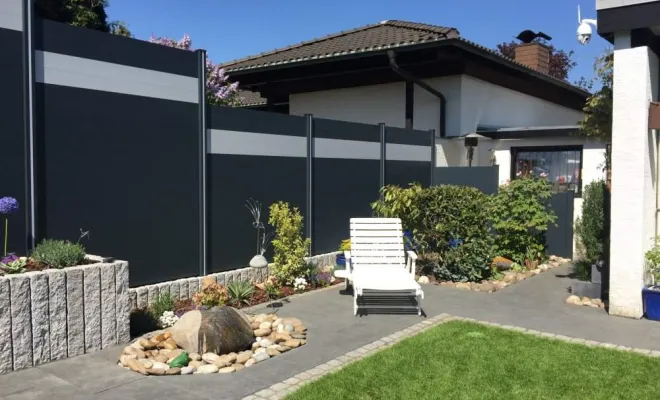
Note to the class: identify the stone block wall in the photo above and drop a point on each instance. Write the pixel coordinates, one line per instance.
(143, 296)
(60, 313)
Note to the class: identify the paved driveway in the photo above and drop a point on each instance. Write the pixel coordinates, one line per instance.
(537, 303)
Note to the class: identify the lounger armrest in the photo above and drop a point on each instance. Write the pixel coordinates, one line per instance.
(410, 264)
(349, 267)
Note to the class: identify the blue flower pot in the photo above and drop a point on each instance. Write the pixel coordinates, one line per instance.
(341, 260)
(651, 299)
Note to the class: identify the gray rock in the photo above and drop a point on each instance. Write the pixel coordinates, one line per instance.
(221, 278)
(108, 304)
(75, 319)
(57, 313)
(258, 261)
(92, 296)
(220, 330)
(142, 297)
(40, 316)
(259, 357)
(123, 305)
(193, 287)
(21, 321)
(187, 370)
(5, 327)
(183, 290)
(289, 328)
(153, 293)
(174, 290)
(265, 343)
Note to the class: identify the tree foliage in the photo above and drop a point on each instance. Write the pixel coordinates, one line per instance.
(597, 122)
(561, 62)
(84, 13)
(219, 90)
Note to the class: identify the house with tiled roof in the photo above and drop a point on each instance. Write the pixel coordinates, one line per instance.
(421, 76)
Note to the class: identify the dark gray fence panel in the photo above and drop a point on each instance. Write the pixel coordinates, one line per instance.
(12, 139)
(483, 178)
(345, 181)
(408, 157)
(122, 165)
(559, 238)
(252, 154)
(86, 43)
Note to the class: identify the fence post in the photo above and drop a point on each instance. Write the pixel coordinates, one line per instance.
(309, 204)
(383, 152)
(28, 115)
(202, 134)
(433, 156)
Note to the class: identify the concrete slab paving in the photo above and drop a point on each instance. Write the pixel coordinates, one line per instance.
(537, 303)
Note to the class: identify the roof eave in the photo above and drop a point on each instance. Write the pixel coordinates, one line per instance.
(457, 42)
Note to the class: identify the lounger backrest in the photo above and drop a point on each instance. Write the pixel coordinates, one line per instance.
(376, 242)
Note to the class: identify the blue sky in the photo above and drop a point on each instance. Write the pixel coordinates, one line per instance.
(234, 29)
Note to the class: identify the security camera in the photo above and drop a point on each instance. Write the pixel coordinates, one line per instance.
(584, 31)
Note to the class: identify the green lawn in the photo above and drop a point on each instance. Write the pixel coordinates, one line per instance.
(459, 360)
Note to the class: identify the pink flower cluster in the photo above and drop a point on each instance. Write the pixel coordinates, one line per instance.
(219, 90)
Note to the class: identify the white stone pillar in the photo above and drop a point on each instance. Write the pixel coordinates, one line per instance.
(633, 174)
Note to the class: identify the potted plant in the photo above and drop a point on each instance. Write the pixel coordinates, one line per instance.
(341, 258)
(651, 293)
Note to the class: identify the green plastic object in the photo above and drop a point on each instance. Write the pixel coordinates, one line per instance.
(180, 361)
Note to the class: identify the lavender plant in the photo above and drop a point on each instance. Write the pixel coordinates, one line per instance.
(8, 206)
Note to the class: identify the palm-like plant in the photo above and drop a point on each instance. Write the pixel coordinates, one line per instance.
(240, 292)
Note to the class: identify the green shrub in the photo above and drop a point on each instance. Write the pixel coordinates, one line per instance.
(164, 302)
(427, 263)
(582, 270)
(240, 292)
(652, 259)
(520, 218)
(437, 215)
(59, 253)
(289, 246)
(590, 227)
(469, 261)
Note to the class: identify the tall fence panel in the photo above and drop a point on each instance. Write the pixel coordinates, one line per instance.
(346, 178)
(408, 157)
(559, 237)
(118, 143)
(12, 138)
(483, 178)
(251, 155)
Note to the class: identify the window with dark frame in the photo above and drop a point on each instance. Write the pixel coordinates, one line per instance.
(562, 166)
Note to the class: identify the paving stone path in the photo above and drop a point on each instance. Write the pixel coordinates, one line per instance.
(336, 336)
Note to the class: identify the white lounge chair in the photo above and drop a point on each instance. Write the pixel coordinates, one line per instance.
(377, 268)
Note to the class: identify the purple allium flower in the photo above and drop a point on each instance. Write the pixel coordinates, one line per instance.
(8, 205)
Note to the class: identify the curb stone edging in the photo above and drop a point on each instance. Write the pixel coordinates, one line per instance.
(56, 314)
(282, 389)
(185, 288)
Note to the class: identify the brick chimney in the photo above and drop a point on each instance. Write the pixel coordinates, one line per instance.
(534, 55)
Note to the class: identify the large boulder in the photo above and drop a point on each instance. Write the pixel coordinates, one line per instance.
(219, 330)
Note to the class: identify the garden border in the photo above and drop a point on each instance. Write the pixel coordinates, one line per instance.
(56, 314)
(181, 289)
(282, 389)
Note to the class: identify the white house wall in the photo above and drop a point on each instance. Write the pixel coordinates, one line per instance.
(470, 103)
(366, 104)
(489, 105)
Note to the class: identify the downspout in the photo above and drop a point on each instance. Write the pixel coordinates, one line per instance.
(410, 77)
